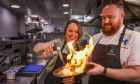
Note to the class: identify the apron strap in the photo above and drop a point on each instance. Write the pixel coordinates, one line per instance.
(121, 38)
(63, 46)
(99, 39)
(77, 46)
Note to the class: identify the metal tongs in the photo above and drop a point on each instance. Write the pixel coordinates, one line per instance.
(58, 49)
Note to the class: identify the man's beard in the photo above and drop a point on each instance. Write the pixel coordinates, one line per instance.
(110, 30)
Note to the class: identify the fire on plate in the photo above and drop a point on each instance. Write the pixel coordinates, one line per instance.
(76, 60)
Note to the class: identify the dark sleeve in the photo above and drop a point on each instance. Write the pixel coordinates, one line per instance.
(78, 79)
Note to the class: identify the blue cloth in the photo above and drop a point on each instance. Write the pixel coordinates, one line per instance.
(32, 68)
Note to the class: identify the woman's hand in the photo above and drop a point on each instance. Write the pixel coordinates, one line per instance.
(49, 50)
(69, 80)
(41, 46)
(96, 70)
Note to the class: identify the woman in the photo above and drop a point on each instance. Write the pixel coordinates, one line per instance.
(72, 31)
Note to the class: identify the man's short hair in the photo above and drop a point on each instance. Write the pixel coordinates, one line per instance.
(118, 5)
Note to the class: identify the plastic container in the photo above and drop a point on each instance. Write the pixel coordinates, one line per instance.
(10, 75)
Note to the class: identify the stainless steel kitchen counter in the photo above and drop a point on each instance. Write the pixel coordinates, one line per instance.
(19, 80)
(28, 78)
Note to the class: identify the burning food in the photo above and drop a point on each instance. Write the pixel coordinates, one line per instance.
(64, 72)
(76, 60)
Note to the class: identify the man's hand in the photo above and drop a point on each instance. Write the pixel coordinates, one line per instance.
(96, 70)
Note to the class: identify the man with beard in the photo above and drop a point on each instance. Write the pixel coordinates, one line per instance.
(116, 55)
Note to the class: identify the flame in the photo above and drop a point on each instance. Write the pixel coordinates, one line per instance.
(76, 60)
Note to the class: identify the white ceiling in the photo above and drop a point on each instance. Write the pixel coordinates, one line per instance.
(137, 2)
(53, 11)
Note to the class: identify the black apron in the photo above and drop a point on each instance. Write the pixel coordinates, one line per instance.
(107, 56)
(50, 78)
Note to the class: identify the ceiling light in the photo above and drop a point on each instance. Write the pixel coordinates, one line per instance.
(65, 5)
(66, 13)
(80, 18)
(34, 16)
(89, 17)
(45, 23)
(15, 6)
(76, 17)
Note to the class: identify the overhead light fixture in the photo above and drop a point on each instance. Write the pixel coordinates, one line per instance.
(66, 13)
(34, 16)
(76, 17)
(45, 23)
(80, 18)
(89, 17)
(15, 6)
(65, 5)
